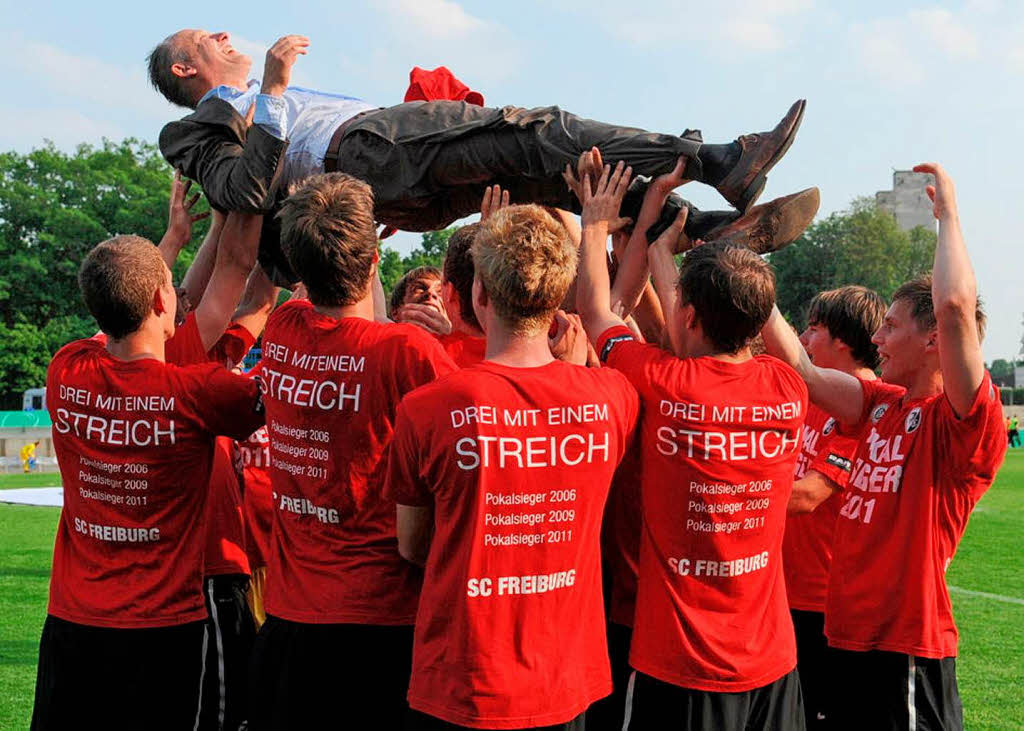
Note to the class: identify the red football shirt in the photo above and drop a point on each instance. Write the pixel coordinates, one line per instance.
(185, 347)
(516, 462)
(331, 389)
(225, 534)
(917, 475)
(620, 537)
(465, 350)
(720, 441)
(807, 543)
(257, 500)
(134, 440)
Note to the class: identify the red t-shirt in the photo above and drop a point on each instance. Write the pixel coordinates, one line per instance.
(720, 441)
(257, 500)
(807, 543)
(620, 537)
(917, 475)
(516, 462)
(331, 389)
(185, 347)
(465, 350)
(225, 534)
(134, 440)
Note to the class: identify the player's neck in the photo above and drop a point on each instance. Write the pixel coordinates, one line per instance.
(925, 383)
(517, 351)
(862, 372)
(362, 309)
(461, 326)
(146, 342)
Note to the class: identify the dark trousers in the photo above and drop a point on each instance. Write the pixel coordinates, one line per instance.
(608, 713)
(813, 657)
(890, 690)
(107, 678)
(658, 706)
(329, 676)
(430, 162)
(232, 631)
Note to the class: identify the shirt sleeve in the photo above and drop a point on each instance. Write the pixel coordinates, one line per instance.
(875, 392)
(404, 482)
(835, 458)
(185, 347)
(223, 403)
(974, 445)
(426, 359)
(271, 115)
(619, 348)
(233, 344)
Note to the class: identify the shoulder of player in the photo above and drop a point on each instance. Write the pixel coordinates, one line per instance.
(287, 312)
(406, 338)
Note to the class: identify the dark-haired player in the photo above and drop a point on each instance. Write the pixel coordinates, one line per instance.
(841, 323)
(930, 444)
(712, 643)
(124, 640)
(340, 602)
(507, 463)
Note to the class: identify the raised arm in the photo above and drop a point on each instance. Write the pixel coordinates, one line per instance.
(954, 298)
(179, 220)
(198, 274)
(236, 257)
(600, 205)
(661, 260)
(258, 302)
(838, 393)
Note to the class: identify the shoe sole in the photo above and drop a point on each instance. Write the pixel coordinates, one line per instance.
(756, 187)
(789, 217)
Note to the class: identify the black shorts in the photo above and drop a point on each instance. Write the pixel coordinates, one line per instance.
(890, 690)
(608, 713)
(656, 705)
(325, 676)
(815, 664)
(232, 631)
(422, 722)
(112, 678)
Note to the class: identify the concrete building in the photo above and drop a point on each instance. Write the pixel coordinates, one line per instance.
(907, 200)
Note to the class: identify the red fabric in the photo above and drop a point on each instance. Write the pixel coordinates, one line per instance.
(487, 655)
(918, 473)
(807, 544)
(620, 537)
(185, 347)
(225, 532)
(257, 501)
(720, 441)
(439, 85)
(135, 441)
(232, 345)
(331, 389)
(465, 350)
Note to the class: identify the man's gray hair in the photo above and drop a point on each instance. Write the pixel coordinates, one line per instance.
(174, 88)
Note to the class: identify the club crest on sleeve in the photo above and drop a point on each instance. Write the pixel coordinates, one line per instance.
(878, 413)
(829, 427)
(913, 420)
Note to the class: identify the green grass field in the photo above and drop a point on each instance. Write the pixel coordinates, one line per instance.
(990, 560)
(32, 479)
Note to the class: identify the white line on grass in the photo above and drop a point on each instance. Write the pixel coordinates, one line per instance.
(986, 595)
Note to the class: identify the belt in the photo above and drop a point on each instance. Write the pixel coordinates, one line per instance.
(334, 146)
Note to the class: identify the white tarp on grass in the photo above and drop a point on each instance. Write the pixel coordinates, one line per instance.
(48, 496)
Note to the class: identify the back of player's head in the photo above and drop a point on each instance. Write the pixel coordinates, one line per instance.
(119, 279)
(732, 291)
(458, 269)
(169, 51)
(917, 293)
(329, 237)
(525, 261)
(412, 278)
(851, 314)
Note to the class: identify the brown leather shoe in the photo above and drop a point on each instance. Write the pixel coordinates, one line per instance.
(773, 225)
(745, 181)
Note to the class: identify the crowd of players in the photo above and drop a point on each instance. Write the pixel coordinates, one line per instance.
(541, 487)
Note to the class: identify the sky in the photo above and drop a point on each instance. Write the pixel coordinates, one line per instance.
(888, 84)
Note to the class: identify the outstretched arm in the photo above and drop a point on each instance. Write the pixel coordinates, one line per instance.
(179, 220)
(258, 302)
(954, 298)
(836, 392)
(810, 491)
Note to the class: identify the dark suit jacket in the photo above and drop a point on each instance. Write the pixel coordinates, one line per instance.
(239, 168)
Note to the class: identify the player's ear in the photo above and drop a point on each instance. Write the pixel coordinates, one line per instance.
(159, 306)
(183, 70)
(450, 298)
(932, 343)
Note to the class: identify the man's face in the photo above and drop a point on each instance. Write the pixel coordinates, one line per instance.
(425, 291)
(214, 58)
(820, 345)
(902, 346)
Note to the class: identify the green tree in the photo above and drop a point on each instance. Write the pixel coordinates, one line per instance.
(430, 252)
(54, 207)
(863, 245)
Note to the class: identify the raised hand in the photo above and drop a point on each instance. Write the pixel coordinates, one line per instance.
(601, 203)
(494, 200)
(277, 72)
(672, 239)
(428, 317)
(179, 215)
(569, 342)
(671, 180)
(943, 193)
